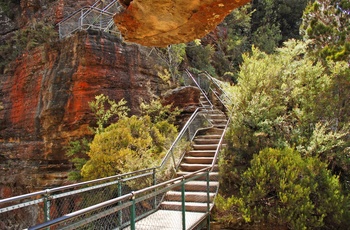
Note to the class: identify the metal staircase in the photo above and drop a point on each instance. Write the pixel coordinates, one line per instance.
(201, 156)
(178, 194)
(99, 16)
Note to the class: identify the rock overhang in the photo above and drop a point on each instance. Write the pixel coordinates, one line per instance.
(163, 22)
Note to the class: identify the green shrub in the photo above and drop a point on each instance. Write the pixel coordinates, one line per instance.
(282, 188)
(131, 144)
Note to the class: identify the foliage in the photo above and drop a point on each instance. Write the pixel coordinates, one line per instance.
(158, 112)
(275, 21)
(26, 39)
(172, 56)
(200, 56)
(104, 108)
(327, 23)
(287, 99)
(262, 117)
(221, 51)
(77, 152)
(130, 144)
(282, 188)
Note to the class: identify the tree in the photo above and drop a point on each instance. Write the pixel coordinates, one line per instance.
(275, 21)
(327, 23)
(172, 56)
(77, 152)
(287, 99)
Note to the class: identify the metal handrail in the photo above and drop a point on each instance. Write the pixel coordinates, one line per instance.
(215, 82)
(219, 145)
(155, 190)
(180, 135)
(204, 94)
(84, 12)
(66, 187)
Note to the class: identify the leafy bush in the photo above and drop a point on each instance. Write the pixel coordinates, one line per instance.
(282, 188)
(130, 144)
(281, 99)
(105, 108)
(288, 100)
(77, 152)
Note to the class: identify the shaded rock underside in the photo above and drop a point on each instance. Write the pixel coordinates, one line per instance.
(164, 22)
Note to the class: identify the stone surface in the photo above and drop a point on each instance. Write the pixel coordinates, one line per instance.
(164, 22)
(45, 100)
(186, 98)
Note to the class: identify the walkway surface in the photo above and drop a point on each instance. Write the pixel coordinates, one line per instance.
(168, 220)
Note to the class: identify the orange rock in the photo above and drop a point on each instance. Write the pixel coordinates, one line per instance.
(164, 22)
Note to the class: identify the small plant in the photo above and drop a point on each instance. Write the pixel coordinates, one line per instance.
(26, 39)
(77, 152)
(105, 108)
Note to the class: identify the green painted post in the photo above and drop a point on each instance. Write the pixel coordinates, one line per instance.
(120, 212)
(132, 213)
(183, 205)
(154, 183)
(47, 204)
(208, 200)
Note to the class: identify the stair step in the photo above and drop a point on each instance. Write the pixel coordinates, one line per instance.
(213, 176)
(198, 160)
(209, 136)
(222, 126)
(218, 121)
(206, 141)
(189, 196)
(199, 186)
(189, 206)
(201, 153)
(217, 116)
(195, 167)
(205, 147)
(211, 131)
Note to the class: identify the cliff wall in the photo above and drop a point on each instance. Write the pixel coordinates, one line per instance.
(45, 103)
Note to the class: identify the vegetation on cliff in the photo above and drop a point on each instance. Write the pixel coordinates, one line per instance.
(287, 161)
(130, 144)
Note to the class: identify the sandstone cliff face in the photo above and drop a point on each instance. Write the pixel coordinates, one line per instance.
(46, 99)
(164, 22)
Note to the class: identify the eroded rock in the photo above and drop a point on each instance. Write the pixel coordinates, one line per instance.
(164, 22)
(46, 97)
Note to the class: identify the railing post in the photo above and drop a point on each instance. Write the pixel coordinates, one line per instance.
(174, 162)
(120, 212)
(132, 213)
(47, 205)
(81, 19)
(208, 200)
(154, 179)
(183, 204)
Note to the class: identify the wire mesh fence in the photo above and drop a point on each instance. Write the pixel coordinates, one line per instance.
(30, 209)
(98, 17)
(142, 209)
(182, 144)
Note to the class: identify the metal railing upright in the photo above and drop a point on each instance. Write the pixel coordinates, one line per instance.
(107, 200)
(128, 204)
(29, 209)
(99, 16)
